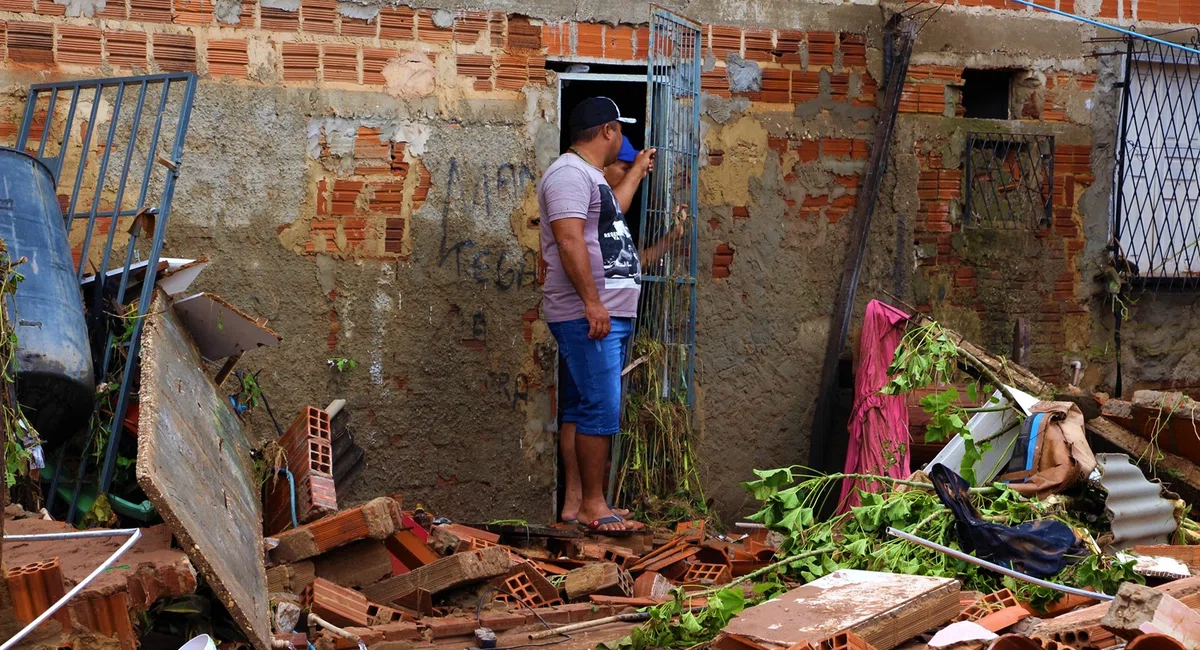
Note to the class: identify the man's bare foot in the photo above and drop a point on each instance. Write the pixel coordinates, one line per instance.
(611, 521)
(570, 511)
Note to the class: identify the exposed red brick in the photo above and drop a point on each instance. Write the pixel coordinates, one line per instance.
(468, 25)
(51, 8)
(776, 86)
(175, 52)
(496, 29)
(387, 197)
(870, 93)
(478, 66)
(839, 86)
(300, 61)
(536, 69)
(854, 50)
(715, 83)
(641, 43)
(337, 605)
(359, 27)
(759, 45)
(227, 58)
(720, 272)
(618, 43)
(557, 38)
(523, 35)
(31, 42)
(318, 16)
(397, 23)
(374, 61)
(107, 616)
(193, 12)
(725, 40)
(17, 6)
(589, 40)
(345, 196)
(150, 11)
(34, 588)
(279, 20)
(394, 236)
(808, 150)
(126, 49)
(806, 86)
(512, 72)
(821, 46)
(424, 184)
(79, 45)
(429, 32)
(787, 46)
(339, 62)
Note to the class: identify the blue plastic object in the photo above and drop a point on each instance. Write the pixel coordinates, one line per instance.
(55, 379)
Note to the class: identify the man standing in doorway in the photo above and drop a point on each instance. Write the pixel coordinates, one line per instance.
(590, 298)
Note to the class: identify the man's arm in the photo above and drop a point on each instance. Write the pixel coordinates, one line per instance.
(573, 251)
(628, 186)
(568, 200)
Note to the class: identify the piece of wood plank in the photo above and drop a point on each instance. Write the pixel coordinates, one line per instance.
(1139, 609)
(194, 464)
(1189, 555)
(901, 34)
(452, 571)
(884, 609)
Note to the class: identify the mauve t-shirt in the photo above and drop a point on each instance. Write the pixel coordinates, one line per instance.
(571, 188)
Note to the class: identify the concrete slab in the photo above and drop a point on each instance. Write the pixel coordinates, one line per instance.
(194, 464)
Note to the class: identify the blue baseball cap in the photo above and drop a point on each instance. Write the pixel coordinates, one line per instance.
(628, 153)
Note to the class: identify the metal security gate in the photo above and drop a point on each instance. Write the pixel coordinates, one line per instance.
(667, 314)
(1156, 226)
(115, 147)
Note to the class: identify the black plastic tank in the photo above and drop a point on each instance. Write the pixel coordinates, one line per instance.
(55, 379)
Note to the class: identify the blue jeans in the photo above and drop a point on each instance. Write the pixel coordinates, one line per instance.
(590, 389)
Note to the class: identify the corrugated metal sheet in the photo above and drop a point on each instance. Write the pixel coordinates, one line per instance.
(1138, 513)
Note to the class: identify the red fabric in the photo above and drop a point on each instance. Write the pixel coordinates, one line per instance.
(878, 424)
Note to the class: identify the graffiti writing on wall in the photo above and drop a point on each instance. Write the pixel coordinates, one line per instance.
(493, 195)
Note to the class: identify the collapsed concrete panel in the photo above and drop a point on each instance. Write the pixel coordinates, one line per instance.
(194, 465)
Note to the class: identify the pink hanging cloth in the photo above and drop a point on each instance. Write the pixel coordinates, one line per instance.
(878, 424)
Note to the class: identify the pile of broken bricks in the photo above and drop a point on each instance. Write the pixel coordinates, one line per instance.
(375, 574)
(863, 610)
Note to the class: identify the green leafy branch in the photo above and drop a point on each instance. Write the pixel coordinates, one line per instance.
(927, 356)
(341, 364)
(19, 434)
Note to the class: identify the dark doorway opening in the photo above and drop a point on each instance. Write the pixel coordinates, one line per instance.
(630, 97)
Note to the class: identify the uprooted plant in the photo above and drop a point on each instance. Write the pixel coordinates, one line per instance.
(927, 356)
(19, 434)
(659, 478)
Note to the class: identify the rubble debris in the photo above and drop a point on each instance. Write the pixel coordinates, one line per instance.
(291, 578)
(603, 578)
(107, 616)
(34, 588)
(1183, 474)
(340, 606)
(1139, 609)
(205, 492)
(524, 584)
(959, 633)
(409, 549)
(1137, 512)
(1081, 628)
(221, 330)
(451, 571)
(308, 455)
(885, 609)
(356, 565)
(349, 459)
(1189, 556)
(1154, 641)
(378, 519)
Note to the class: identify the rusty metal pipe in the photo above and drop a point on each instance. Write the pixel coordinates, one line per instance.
(134, 535)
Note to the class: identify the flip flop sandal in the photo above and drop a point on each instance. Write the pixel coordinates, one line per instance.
(611, 519)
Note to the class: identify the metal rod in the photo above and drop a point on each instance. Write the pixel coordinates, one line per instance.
(134, 535)
(971, 559)
(1101, 25)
